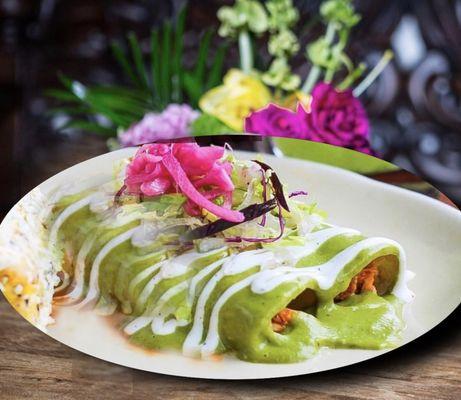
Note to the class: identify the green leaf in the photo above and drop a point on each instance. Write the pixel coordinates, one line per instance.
(125, 105)
(166, 64)
(138, 61)
(130, 93)
(155, 61)
(89, 127)
(193, 88)
(216, 70)
(200, 65)
(60, 94)
(123, 98)
(120, 106)
(125, 64)
(114, 108)
(178, 55)
(92, 96)
(71, 110)
(65, 80)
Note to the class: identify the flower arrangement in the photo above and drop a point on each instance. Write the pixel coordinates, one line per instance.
(166, 100)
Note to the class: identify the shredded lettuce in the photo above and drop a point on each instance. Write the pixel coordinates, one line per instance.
(247, 178)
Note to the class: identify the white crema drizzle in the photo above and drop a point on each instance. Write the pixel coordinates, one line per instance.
(267, 260)
(93, 288)
(64, 215)
(276, 266)
(268, 278)
(79, 273)
(157, 318)
(94, 201)
(168, 269)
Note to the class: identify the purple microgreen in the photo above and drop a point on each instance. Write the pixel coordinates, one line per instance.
(239, 239)
(298, 193)
(264, 183)
(119, 194)
(251, 212)
(276, 185)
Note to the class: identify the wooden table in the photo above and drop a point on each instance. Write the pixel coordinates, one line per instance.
(34, 366)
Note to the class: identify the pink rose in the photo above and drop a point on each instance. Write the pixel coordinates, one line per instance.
(274, 120)
(338, 118)
(335, 117)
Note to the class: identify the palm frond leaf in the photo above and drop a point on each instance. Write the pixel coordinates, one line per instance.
(154, 81)
(88, 126)
(156, 62)
(201, 63)
(177, 69)
(216, 70)
(125, 64)
(166, 62)
(138, 60)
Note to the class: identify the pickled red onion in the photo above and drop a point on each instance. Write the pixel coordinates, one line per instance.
(195, 171)
(174, 168)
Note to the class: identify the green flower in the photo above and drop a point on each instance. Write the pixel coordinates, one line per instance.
(279, 75)
(282, 14)
(324, 55)
(283, 44)
(340, 17)
(340, 12)
(247, 15)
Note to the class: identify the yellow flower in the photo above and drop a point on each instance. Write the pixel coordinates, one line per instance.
(293, 99)
(239, 95)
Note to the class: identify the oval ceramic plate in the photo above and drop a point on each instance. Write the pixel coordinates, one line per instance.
(429, 230)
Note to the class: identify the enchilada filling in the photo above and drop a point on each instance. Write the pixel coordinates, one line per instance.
(281, 320)
(362, 282)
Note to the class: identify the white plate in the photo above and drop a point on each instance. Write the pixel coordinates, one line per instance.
(429, 230)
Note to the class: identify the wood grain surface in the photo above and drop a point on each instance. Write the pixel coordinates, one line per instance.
(34, 366)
